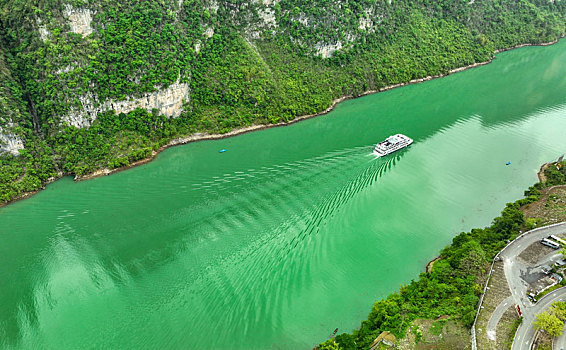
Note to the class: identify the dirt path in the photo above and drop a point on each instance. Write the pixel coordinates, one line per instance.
(540, 174)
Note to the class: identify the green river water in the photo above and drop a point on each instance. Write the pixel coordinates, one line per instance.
(292, 232)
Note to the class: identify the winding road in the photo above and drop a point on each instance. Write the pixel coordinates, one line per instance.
(526, 331)
(560, 342)
(518, 287)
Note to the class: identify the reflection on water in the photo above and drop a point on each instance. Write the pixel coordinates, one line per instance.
(288, 235)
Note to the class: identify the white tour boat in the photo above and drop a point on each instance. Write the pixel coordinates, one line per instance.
(392, 144)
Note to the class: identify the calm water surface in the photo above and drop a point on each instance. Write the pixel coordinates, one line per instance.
(289, 234)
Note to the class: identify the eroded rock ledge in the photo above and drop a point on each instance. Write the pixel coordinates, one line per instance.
(10, 143)
(168, 102)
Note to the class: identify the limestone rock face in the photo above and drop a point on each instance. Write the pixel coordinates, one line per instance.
(168, 101)
(213, 6)
(42, 30)
(79, 20)
(327, 50)
(10, 143)
(209, 32)
(267, 15)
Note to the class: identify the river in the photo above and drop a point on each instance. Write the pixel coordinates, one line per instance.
(289, 234)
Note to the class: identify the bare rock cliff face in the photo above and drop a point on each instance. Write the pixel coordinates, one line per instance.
(168, 102)
(79, 20)
(327, 50)
(10, 143)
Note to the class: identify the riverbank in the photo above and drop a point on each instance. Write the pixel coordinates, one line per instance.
(540, 174)
(430, 264)
(202, 136)
(282, 213)
(450, 289)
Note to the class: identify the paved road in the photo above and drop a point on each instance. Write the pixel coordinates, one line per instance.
(526, 331)
(513, 272)
(496, 316)
(560, 342)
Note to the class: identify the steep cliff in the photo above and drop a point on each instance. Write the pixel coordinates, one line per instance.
(10, 110)
(91, 84)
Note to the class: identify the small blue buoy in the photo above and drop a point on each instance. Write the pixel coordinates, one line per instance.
(507, 163)
(222, 150)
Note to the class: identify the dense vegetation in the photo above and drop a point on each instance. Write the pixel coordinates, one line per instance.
(555, 175)
(552, 320)
(244, 62)
(456, 280)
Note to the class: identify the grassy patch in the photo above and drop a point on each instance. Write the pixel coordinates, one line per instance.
(512, 330)
(437, 326)
(549, 290)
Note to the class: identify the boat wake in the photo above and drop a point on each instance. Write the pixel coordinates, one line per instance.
(297, 200)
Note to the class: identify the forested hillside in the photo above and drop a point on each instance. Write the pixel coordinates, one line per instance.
(92, 84)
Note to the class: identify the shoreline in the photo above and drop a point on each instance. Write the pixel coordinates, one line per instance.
(240, 131)
(540, 174)
(430, 264)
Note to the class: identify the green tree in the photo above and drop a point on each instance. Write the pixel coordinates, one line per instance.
(559, 310)
(549, 322)
(330, 344)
